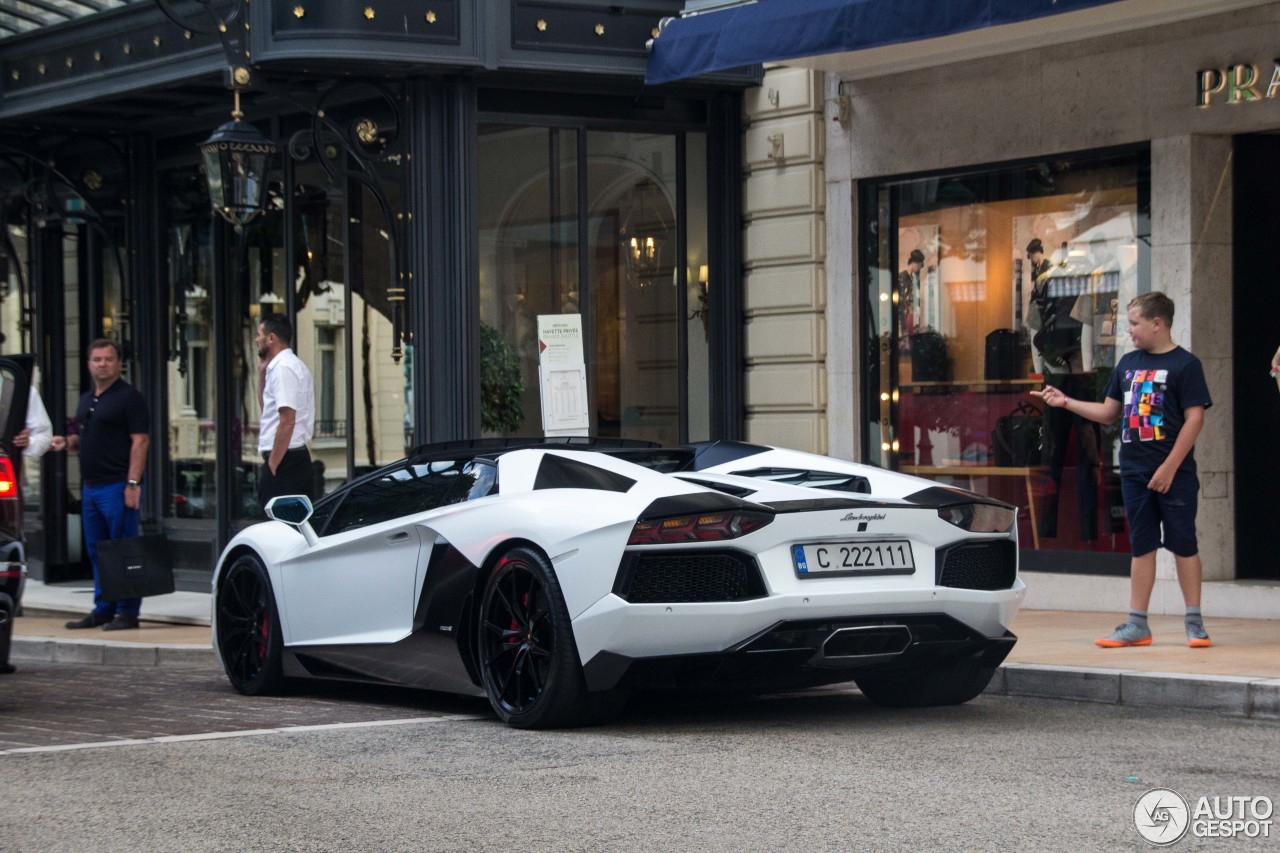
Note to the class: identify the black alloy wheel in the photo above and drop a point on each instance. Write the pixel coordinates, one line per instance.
(528, 658)
(249, 640)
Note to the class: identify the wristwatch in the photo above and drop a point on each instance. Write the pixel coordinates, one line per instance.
(133, 484)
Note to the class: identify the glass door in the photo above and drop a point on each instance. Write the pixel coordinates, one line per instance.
(596, 224)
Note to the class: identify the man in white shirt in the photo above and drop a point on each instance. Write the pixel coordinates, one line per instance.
(287, 396)
(37, 433)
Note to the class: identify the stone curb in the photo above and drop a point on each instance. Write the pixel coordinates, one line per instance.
(110, 653)
(1235, 695)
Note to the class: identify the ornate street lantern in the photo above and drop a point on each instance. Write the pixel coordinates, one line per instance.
(236, 160)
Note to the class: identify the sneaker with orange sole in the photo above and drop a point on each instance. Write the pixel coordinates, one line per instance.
(1197, 637)
(1127, 634)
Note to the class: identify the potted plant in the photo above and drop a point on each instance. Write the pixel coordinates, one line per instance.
(501, 385)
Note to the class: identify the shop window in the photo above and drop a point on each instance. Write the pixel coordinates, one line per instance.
(192, 401)
(350, 321)
(982, 286)
(584, 223)
(330, 410)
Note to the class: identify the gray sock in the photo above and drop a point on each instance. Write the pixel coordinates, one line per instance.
(1193, 617)
(1139, 618)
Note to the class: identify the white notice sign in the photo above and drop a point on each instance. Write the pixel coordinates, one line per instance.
(563, 375)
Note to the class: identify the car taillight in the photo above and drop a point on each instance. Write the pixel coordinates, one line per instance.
(980, 518)
(705, 527)
(8, 483)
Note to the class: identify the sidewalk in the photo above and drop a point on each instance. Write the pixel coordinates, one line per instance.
(1054, 658)
(174, 630)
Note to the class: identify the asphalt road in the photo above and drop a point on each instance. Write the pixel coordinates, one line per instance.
(173, 760)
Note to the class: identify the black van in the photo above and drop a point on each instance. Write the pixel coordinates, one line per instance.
(15, 379)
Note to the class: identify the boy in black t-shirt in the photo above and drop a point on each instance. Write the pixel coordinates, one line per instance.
(1159, 393)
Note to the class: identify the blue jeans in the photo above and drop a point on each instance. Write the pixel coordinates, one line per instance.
(103, 515)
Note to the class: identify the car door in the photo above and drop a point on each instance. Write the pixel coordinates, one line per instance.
(357, 584)
(361, 581)
(354, 587)
(15, 379)
(15, 372)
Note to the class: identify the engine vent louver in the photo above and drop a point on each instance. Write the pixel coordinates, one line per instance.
(981, 565)
(701, 576)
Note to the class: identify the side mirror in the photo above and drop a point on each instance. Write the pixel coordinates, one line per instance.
(291, 509)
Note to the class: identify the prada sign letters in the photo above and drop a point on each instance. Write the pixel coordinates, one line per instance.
(1236, 85)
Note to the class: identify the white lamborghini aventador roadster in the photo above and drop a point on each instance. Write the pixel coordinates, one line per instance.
(557, 576)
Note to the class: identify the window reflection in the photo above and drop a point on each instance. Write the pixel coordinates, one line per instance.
(410, 489)
(989, 285)
(641, 307)
(349, 332)
(192, 444)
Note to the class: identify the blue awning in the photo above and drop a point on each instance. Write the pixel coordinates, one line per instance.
(778, 30)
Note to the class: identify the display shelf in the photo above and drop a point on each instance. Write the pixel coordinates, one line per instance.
(983, 384)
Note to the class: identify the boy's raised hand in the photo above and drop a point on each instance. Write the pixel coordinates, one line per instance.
(1051, 396)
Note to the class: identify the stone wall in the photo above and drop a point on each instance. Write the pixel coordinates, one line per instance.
(785, 246)
(1110, 90)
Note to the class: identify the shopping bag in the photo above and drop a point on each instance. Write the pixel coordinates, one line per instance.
(1015, 440)
(1006, 355)
(134, 568)
(929, 357)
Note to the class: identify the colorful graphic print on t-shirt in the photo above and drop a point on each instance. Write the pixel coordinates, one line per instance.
(1144, 405)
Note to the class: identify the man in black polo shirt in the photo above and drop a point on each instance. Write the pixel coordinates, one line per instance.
(111, 422)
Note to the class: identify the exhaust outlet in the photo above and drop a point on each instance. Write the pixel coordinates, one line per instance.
(866, 641)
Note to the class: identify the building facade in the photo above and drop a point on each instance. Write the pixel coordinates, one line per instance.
(447, 174)
(1133, 150)
(834, 257)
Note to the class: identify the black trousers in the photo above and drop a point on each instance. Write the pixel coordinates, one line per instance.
(1059, 424)
(293, 477)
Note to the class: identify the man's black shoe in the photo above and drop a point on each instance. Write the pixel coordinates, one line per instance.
(93, 620)
(121, 622)
(7, 669)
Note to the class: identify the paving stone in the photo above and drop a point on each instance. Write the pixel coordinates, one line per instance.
(50, 703)
(1264, 699)
(29, 649)
(186, 656)
(128, 654)
(1226, 694)
(1086, 684)
(79, 651)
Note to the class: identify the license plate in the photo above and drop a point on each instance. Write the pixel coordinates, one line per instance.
(853, 558)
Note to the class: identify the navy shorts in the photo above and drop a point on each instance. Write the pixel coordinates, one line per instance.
(1149, 512)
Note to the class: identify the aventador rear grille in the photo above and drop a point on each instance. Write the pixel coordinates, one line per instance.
(688, 576)
(980, 565)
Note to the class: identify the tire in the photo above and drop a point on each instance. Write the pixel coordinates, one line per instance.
(249, 640)
(951, 685)
(528, 659)
(8, 610)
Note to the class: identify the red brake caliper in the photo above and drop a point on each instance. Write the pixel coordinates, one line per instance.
(515, 639)
(262, 634)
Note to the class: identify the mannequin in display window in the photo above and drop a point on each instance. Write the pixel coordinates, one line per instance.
(1040, 265)
(1059, 348)
(909, 294)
